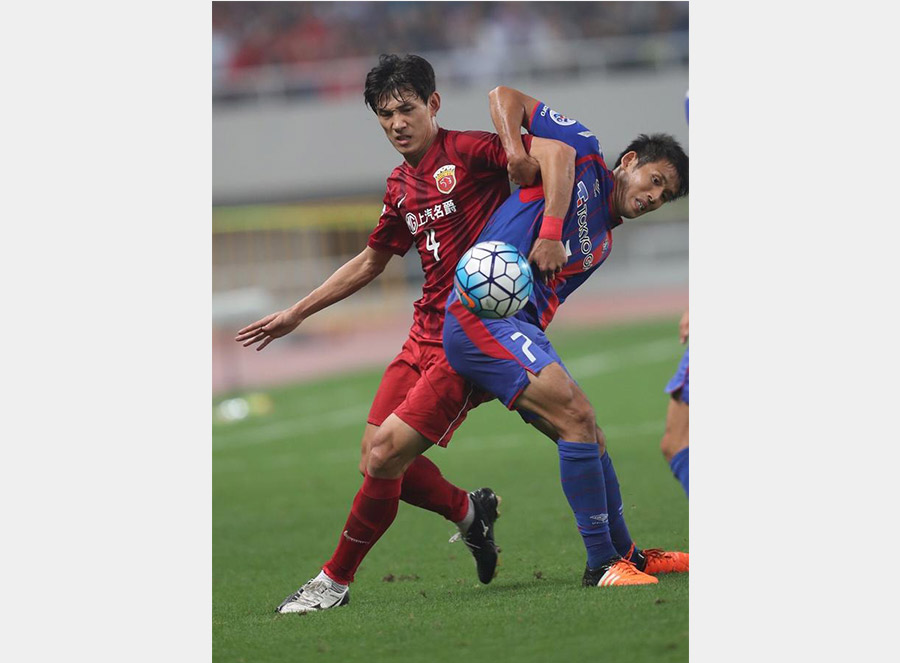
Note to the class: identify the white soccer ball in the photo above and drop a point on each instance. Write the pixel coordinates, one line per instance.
(493, 279)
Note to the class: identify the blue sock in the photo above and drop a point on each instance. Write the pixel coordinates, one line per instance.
(679, 465)
(618, 530)
(581, 475)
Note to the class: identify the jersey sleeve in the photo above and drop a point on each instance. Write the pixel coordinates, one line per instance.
(480, 151)
(391, 233)
(547, 123)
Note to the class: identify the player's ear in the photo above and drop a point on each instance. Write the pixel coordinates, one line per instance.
(629, 159)
(434, 103)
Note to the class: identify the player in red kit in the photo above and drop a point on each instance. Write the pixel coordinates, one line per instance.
(439, 199)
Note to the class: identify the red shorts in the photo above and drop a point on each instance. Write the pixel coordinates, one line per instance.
(421, 388)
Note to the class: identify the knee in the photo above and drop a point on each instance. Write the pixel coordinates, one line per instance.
(381, 454)
(386, 457)
(554, 396)
(364, 462)
(364, 453)
(365, 446)
(675, 437)
(580, 414)
(671, 444)
(665, 446)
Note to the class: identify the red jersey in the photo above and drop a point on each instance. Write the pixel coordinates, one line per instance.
(442, 205)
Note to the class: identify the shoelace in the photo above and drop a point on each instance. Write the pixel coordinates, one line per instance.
(311, 587)
(631, 566)
(654, 552)
(459, 537)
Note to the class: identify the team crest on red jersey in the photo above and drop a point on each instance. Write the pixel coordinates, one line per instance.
(445, 178)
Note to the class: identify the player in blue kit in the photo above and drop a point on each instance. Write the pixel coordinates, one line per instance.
(674, 444)
(513, 359)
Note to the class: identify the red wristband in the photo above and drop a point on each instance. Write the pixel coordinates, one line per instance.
(551, 228)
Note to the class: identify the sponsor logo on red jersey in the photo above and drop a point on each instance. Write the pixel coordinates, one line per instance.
(414, 221)
(445, 178)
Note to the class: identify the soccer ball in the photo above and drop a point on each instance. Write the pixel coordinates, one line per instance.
(493, 280)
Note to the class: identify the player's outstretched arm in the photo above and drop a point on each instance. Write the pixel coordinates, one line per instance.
(683, 328)
(510, 111)
(558, 173)
(350, 277)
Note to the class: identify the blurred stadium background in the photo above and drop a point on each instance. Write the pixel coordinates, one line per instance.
(299, 162)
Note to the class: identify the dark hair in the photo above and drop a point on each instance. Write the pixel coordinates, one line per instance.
(658, 147)
(396, 74)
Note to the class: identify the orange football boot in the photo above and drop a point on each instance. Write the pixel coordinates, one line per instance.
(661, 561)
(617, 572)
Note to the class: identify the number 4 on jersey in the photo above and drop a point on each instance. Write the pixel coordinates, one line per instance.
(431, 243)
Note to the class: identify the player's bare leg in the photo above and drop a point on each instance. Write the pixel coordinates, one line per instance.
(561, 404)
(567, 412)
(393, 448)
(677, 429)
(425, 487)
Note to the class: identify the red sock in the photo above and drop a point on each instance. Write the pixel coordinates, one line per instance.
(373, 511)
(424, 486)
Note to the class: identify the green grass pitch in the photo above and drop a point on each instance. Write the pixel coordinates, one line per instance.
(282, 487)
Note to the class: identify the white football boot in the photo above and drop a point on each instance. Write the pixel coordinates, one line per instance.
(320, 593)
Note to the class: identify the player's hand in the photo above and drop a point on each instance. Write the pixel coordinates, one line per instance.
(683, 328)
(264, 331)
(548, 257)
(523, 169)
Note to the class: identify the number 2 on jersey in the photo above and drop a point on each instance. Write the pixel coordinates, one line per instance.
(431, 243)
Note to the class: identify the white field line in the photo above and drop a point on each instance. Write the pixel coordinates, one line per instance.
(354, 415)
(613, 360)
(598, 363)
(344, 455)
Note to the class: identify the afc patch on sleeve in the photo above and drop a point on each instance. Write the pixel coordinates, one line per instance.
(561, 119)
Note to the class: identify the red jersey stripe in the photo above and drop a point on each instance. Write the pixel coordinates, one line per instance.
(476, 331)
(550, 311)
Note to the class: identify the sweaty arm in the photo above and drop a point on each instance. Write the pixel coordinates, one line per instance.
(350, 277)
(510, 111)
(558, 174)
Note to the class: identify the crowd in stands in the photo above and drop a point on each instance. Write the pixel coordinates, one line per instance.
(249, 35)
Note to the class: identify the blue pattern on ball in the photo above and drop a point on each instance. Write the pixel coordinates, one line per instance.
(493, 280)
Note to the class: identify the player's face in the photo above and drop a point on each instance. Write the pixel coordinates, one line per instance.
(642, 189)
(409, 123)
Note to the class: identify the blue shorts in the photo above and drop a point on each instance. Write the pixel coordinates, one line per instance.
(679, 381)
(496, 355)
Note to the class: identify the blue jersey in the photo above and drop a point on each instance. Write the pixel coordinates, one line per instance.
(587, 227)
(679, 385)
